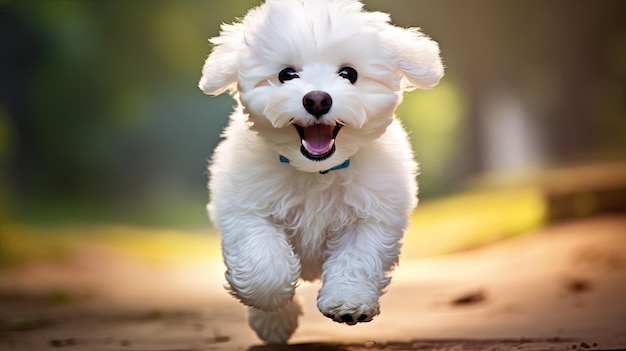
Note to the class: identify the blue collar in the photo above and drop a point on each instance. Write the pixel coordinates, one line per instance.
(345, 164)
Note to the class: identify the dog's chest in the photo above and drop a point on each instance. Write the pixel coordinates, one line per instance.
(309, 218)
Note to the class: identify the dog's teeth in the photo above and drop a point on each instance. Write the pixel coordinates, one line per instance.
(306, 146)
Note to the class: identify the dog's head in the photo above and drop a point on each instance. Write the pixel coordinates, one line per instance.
(318, 79)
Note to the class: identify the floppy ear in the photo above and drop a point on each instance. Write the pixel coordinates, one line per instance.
(220, 69)
(417, 57)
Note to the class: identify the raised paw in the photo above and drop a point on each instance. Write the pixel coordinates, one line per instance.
(349, 319)
(350, 312)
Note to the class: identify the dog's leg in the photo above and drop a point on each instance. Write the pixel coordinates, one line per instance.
(262, 269)
(278, 326)
(357, 271)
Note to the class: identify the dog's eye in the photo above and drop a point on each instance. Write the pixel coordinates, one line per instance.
(287, 74)
(348, 73)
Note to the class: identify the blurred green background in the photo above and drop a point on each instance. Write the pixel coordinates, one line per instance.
(101, 120)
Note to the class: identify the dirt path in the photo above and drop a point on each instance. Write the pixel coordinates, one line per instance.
(563, 288)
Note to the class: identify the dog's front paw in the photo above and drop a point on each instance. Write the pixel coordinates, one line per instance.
(348, 308)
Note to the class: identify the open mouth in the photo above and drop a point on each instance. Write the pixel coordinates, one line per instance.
(318, 140)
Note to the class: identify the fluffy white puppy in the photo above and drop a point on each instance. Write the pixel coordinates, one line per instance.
(315, 177)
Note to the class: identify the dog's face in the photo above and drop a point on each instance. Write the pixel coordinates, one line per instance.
(318, 79)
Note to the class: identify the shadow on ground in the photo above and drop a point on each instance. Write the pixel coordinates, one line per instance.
(437, 345)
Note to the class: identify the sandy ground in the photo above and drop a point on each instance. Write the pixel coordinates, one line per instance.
(561, 288)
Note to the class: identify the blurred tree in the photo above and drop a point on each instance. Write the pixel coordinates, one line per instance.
(554, 69)
(103, 99)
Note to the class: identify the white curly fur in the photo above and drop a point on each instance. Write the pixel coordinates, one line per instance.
(282, 222)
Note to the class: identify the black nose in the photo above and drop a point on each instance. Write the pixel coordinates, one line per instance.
(317, 103)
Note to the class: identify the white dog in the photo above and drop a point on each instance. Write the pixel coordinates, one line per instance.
(315, 177)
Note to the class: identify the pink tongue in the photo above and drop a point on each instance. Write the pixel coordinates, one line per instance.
(318, 138)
